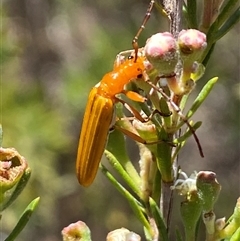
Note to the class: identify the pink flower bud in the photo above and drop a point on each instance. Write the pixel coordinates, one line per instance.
(161, 52)
(190, 42)
(76, 231)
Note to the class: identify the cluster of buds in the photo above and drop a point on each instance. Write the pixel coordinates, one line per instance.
(165, 53)
(201, 191)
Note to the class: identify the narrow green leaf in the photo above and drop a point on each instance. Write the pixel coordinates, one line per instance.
(159, 220)
(212, 37)
(233, 223)
(23, 220)
(122, 172)
(208, 52)
(136, 206)
(202, 96)
(148, 236)
(192, 14)
(187, 134)
(226, 12)
(120, 154)
(222, 17)
(231, 21)
(236, 235)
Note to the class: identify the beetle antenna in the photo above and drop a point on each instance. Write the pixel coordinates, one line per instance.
(135, 39)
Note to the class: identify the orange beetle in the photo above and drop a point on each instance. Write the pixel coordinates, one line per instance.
(99, 114)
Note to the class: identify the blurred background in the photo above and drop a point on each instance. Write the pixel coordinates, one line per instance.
(53, 52)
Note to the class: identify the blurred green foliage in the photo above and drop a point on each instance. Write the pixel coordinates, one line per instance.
(53, 52)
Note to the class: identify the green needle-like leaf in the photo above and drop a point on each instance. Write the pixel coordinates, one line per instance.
(125, 176)
(236, 235)
(192, 14)
(226, 12)
(231, 21)
(233, 225)
(136, 206)
(23, 219)
(212, 37)
(188, 133)
(202, 96)
(208, 53)
(120, 154)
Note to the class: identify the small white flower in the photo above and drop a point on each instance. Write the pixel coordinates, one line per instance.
(186, 185)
